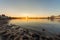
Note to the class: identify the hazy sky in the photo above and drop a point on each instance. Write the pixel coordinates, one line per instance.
(30, 7)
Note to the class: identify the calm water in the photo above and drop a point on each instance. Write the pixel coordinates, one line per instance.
(37, 24)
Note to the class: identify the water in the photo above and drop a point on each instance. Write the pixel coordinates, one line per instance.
(38, 24)
(52, 26)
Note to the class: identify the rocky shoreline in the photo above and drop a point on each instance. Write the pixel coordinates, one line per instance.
(15, 32)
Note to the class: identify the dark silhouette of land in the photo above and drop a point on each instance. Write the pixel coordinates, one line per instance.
(3, 16)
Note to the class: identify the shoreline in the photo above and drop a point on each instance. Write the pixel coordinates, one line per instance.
(13, 31)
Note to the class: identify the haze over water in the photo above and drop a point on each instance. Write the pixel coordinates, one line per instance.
(38, 24)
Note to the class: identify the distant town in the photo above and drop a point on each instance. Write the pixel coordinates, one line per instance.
(3, 16)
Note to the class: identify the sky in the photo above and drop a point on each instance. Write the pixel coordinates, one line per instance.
(32, 8)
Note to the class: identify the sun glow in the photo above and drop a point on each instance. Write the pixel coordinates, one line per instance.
(25, 15)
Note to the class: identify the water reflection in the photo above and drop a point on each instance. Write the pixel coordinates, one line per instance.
(52, 19)
(51, 26)
(35, 24)
(38, 24)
